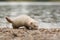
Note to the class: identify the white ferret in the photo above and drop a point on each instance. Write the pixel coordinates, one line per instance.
(23, 20)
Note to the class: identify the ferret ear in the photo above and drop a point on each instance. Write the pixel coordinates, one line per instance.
(8, 19)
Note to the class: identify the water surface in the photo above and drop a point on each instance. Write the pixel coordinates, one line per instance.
(47, 14)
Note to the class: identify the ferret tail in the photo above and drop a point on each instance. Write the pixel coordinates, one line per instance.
(9, 20)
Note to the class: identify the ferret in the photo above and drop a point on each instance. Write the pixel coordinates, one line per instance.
(23, 20)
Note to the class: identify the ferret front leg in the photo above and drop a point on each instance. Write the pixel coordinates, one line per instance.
(28, 28)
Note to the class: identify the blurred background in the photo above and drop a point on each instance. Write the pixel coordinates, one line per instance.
(46, 13)
(29, 0)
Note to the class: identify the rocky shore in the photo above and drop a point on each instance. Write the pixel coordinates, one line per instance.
(23, 34)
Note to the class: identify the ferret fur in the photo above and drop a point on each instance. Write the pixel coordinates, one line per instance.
(23, 20)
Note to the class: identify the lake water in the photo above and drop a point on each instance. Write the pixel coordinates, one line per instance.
(46, 13)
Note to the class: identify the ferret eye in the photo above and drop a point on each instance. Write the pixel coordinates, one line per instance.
(31, 23)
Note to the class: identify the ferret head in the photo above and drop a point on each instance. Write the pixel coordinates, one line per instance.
(33, 25)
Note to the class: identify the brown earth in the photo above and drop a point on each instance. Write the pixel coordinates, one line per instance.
(23, 34)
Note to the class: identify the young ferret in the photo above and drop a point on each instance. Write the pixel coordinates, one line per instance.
(23, 20)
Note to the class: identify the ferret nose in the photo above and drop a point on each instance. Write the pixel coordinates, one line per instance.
(36, 28)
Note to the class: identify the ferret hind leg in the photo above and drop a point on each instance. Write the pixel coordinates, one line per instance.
(14, 27)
